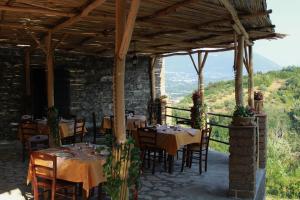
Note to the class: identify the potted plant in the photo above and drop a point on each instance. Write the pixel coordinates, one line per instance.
(258, 101)
(243, 116)
(54, 138)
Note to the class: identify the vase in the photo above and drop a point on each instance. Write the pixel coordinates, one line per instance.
(258, 106)
(243, 121)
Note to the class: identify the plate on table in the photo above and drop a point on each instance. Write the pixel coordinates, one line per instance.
(64, 154)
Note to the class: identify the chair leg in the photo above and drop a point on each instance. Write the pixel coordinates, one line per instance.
(200, 162)
(206, 160)
(165, 159)
(100, 191)
(154, 158)
(149, 158)
(190, 159)
(23, 153)
(183, 159)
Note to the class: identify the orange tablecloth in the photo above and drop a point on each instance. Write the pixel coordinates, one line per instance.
(134, 122)
(173, 140)
(84, 167)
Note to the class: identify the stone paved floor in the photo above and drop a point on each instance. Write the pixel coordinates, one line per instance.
(188, 185)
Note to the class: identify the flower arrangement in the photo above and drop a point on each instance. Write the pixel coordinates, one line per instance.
(258, 95)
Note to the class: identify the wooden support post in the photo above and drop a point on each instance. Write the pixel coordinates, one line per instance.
(201, 63)
(124, 30)
(200, 79)
(250, 79)
(119, 73)
(49, 71)
(239, 72)
(27, 72)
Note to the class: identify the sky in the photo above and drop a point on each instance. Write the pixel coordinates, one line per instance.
(286, 17)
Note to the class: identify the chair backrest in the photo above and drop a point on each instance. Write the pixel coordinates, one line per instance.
(38, 142)
(205, 136)
(79, 128)
(147, 138)
(28, 128)
(129, 112)
(43, 166)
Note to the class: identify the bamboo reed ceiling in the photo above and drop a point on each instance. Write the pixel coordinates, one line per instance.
(162, 26)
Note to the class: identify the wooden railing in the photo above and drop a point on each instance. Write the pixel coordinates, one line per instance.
(187, 121)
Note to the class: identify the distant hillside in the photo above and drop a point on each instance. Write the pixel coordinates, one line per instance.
(181, 77)
(281, 91)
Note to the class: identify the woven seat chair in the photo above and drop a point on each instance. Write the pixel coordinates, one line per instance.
(44, 171)
(198, 151)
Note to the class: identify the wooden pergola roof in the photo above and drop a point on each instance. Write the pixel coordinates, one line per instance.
(162, 26)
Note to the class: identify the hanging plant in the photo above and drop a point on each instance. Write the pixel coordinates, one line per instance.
(53, 125)
(122, 171)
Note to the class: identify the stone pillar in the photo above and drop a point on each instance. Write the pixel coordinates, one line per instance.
(242, 161)
(159, 74)
(262, 119)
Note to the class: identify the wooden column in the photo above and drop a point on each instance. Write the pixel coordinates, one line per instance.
(27, 72)
(201, 63)
(239, 71)
(250, 79)
(119, 74)
(49, 70)
(124, 30)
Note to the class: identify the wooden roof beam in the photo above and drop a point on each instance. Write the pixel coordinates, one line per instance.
(84, 12)
(237, 26)
(167, 10)
(134, 8)
(35, 11)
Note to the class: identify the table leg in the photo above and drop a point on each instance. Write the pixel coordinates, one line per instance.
(171, 163)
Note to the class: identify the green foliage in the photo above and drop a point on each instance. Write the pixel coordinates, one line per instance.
(114, 167)
(241, 111)
(282, 105)
(53, 124)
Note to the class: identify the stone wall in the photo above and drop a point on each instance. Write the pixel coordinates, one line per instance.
(91, 86)
(11, 90)
(159, 72)
(89, 81)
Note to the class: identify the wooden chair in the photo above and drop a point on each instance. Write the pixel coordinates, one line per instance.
(197, 151)
(28, 129)
(38, 142)
(79, 128)
(44, 171)
(149, 149)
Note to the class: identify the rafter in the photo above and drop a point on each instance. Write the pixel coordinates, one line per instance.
(237, 26)
(35, 10)
(84, 12)
(167, 10)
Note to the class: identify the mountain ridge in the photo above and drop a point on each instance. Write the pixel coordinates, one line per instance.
(181, 77)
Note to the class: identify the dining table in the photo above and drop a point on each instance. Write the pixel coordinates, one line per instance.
(78, 163)
(172, 138)
(132, 122)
